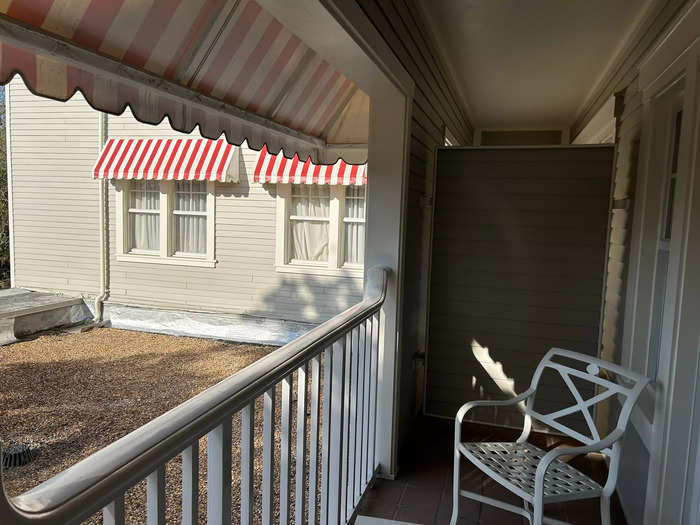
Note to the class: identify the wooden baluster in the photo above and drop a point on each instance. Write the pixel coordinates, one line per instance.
(300, 477)
(314, 437)
(268, 455)
(155, 497)
(247, 462)
(190, 484)
(285, 448)
(113, 513)
(219, 474)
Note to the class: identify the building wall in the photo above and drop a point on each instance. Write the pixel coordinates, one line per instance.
(54, 146)
(55, 209)
(436, 107)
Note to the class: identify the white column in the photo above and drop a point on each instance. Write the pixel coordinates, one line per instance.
(386, 189)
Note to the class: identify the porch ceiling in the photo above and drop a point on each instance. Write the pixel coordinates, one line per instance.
(225, 65)
(531, 65)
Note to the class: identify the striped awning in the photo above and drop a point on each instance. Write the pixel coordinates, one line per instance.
(227, 66)
(167, 159)
(279, 169)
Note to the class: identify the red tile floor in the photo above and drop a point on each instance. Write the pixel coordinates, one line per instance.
(422, 492)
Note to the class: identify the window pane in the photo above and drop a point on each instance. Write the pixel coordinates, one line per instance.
(309, 240)
(355, 227)
(144, 229)
(354, 242)
(310, 200)
(190, 196)
(355, 202)
(144, 195)
(191, 234)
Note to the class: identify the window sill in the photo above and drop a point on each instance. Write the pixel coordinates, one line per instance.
(354, 271)
(174, 261)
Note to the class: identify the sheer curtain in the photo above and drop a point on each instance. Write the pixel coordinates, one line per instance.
(309, 218)
(354, 221)
(144, 210)
(190, 215)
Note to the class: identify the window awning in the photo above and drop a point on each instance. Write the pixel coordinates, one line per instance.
(279, 169)
(168, 159)
(227, 67)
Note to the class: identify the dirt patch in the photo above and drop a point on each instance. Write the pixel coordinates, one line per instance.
(70, 394)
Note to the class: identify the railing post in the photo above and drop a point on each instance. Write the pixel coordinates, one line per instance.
(219, 474)
(374, 355)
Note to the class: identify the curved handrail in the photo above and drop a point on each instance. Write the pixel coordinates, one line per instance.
(86, 487)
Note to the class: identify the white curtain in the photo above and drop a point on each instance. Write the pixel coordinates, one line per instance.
(354, 225)
(309, 222)
(144, 202)
(190, 211)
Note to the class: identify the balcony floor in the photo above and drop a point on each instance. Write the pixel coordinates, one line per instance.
(422, 493)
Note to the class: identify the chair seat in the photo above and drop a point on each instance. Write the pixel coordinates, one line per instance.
(513, 465)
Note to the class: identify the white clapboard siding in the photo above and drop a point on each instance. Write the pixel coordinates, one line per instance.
(56, 232)
(54, 201)
(517, 269)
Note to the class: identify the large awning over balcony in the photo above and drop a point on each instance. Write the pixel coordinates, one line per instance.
(227, 67)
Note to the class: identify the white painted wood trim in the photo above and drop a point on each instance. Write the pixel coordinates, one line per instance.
(670, 483)
(10, 203)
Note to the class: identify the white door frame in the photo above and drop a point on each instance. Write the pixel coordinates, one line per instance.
(340, 32)
(674, 436)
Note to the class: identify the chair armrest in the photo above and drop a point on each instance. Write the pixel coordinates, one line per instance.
(492, 403)
(550, 456)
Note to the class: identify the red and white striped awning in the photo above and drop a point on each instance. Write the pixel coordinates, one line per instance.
(279, 169)
(167, 159)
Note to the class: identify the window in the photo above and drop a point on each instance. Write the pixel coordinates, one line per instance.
(308, 223)
(663, 249)
(320, 228)
(190, 217)
(169, 222)
(354, 225)
(144, 217)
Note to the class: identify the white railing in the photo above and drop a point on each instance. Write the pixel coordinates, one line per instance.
(332, 460)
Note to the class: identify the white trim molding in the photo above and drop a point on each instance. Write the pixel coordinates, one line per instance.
(669, 78)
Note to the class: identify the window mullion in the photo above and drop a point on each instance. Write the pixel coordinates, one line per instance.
(166, 230)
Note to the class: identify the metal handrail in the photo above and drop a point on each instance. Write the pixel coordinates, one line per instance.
(86, 487)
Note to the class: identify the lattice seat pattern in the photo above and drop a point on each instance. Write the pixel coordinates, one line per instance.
(516, 464)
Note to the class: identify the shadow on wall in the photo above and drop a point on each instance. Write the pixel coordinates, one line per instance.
(310, 298)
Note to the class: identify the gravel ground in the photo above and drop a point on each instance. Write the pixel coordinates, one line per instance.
(70, 394)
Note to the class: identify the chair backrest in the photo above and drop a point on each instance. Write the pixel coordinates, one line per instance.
(590, 381)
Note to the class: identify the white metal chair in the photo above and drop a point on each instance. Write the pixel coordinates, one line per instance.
(540, 477)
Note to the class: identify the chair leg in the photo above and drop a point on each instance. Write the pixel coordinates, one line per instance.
(455, 489)
(605, 510)
(537, 512)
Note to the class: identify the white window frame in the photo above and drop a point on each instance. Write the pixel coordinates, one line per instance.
(336, 232)
(166, 254)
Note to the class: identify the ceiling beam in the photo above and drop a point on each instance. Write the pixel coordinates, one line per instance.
(33, 40)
